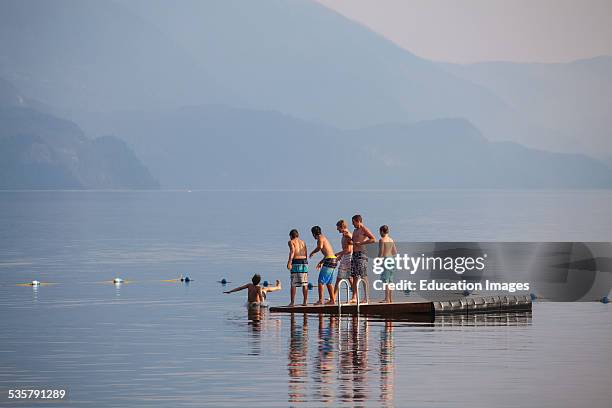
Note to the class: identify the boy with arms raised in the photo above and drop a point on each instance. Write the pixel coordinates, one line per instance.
(256, 294)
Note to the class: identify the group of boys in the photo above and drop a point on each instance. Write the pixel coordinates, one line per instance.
(351, 263)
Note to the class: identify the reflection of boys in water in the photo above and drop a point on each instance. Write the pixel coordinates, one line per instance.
(255, 316)
(257, 323)
(297, 366)
(386, 365)
(345, 366)
(359, 358)
(324, 368)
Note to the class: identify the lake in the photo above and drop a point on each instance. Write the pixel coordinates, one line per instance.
(150, 343)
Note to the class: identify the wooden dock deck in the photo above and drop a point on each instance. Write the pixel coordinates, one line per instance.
(377, 309)
(466, 305)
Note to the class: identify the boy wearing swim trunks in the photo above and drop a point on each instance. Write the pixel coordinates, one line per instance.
(297, 264)
(386, 249)
(344, 256)
(362, 236)
(326, 267)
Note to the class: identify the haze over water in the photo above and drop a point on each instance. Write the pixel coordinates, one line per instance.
(166, 344)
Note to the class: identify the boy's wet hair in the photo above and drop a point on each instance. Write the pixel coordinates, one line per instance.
(316, 230)
(357, 217)
(341, 224)
(294, 233)
(384, 229)
(256, 279)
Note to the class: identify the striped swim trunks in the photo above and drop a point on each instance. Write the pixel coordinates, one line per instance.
(299, 266)
(330, 262)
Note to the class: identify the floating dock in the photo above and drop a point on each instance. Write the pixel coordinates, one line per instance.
(466, 305)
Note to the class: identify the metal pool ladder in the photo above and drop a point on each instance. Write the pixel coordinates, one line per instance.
(347, 283)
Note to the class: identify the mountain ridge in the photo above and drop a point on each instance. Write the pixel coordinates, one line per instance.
(41, 151)
(225, 147)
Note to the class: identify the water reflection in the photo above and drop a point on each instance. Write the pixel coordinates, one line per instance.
(497, 319)
(387, 371)
(344, 368)
(258, 324)
(35, 293)
(298, 354)
(324, 370)
(358, 356)
(255, 316)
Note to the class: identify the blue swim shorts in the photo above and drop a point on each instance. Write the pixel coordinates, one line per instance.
(387, 275)
(326, 275)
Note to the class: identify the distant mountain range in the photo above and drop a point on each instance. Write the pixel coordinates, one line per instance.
(222, 147)
(281, 85)
(296, 57)
(41, 151)
(571, 100)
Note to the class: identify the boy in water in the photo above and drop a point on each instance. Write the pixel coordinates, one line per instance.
(344, 256)
(386, 249)
(327, 266)
(297, 264)
(256, 294)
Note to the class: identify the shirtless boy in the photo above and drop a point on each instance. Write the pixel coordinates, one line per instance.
(297, 264)
(256, 294)
(386, 249)
(362, 236)
(327, 265)
(344, 256)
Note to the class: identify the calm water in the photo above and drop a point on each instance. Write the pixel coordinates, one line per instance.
(154, 343)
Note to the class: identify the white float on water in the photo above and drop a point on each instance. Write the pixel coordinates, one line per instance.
(35, 283)
(117, 280)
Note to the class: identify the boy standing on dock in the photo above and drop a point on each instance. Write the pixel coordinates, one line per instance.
(386, 249)
(344, 256)
(327, 266)
(362, 236)
(297, 264)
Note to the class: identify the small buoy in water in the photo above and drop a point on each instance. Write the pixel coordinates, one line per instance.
(466, 293)
(309, 285)
(605, 300)
(117, 280)
(35, 283)
(265, 283)
(533, 296)
(223, 281)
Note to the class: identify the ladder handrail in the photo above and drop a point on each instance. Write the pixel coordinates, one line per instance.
(365, 291)
(346, 281)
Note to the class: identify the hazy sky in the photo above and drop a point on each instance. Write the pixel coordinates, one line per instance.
(485, 30)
